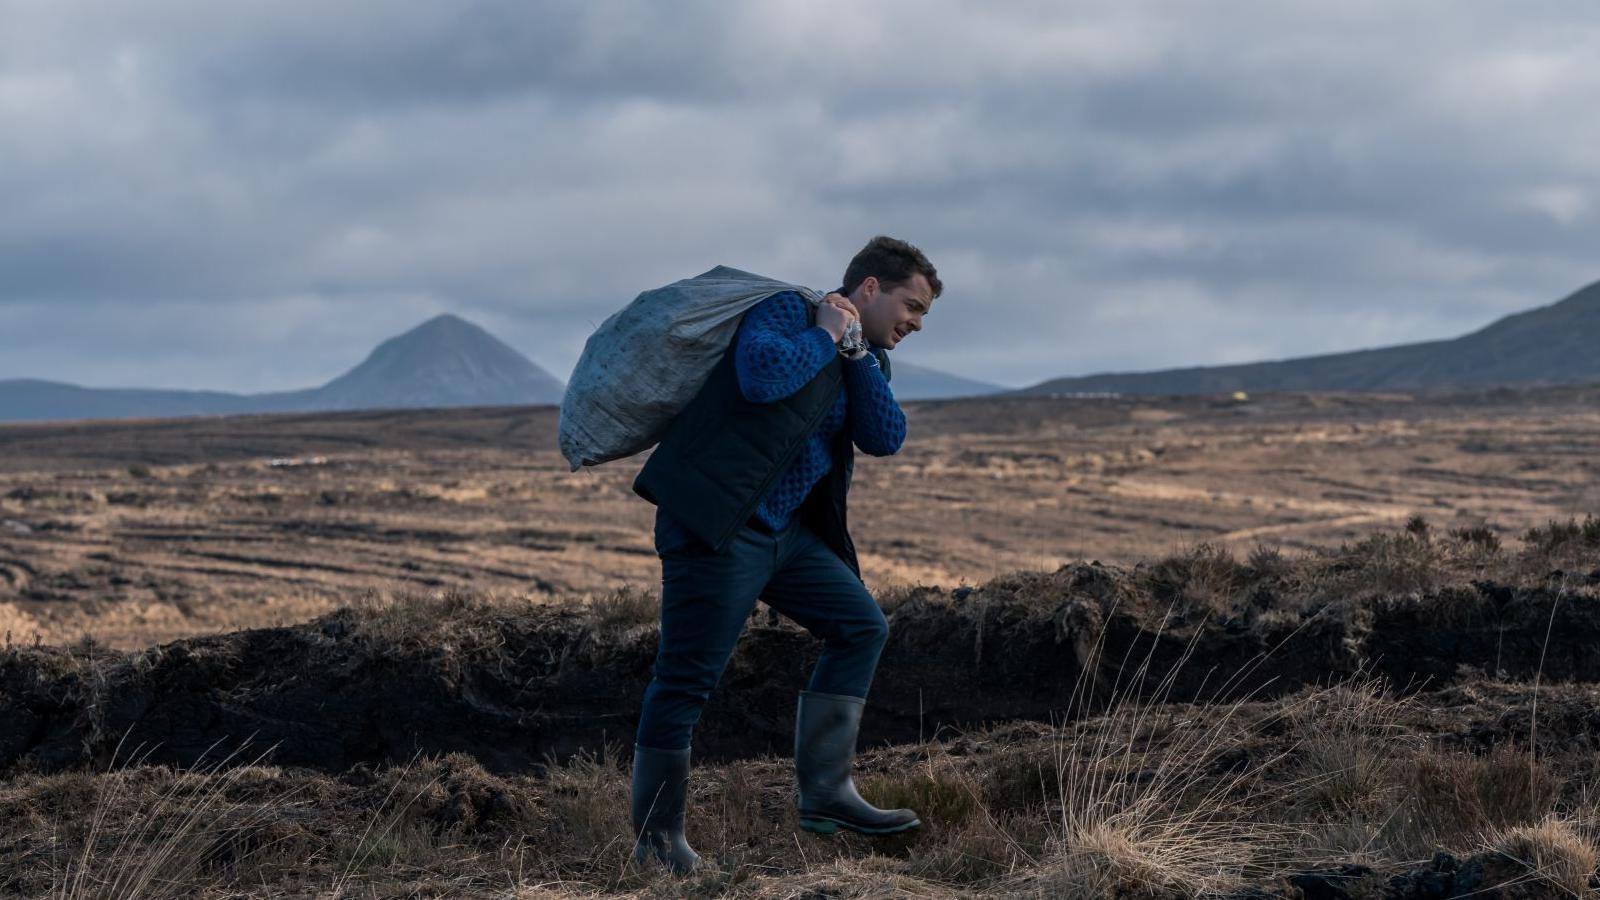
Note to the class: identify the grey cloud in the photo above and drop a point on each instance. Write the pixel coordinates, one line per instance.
(1103, 185)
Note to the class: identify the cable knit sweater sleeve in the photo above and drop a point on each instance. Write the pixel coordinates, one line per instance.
(779, 350)
(877, 424)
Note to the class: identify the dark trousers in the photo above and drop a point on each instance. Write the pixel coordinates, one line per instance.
(706, 598)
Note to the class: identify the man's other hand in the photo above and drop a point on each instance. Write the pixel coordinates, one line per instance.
(843, 302)
(835, 318)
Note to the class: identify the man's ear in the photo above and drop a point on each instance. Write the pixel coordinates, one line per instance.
(869, 288)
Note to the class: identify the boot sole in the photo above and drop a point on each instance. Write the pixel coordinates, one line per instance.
(832, 826)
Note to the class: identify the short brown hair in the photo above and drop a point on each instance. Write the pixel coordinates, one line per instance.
(892, 262)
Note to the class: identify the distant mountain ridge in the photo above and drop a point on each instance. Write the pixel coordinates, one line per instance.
(1555, 344)
(910, 381)
(445, 361)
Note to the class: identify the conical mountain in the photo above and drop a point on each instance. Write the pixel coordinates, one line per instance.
(1554, 344)
(445, 361)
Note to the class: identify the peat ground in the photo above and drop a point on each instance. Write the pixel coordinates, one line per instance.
(1413, 715)
(137, 533)
(514, 685)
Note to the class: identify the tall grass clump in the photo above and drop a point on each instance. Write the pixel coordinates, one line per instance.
(1558, 857)
(1205, 577)
(624, 607)
(166, 843)
(1390, 563)
(407, 621)
(1561, 545)
(1459, 798)
(1154, 800)
(1478, 540)
(1352, 748)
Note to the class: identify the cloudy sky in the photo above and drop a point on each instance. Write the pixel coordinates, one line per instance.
(249, 196)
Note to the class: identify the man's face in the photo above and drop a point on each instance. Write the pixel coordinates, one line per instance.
(887, 317)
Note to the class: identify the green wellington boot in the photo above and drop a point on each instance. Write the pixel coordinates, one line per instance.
(824, 750)
(660, 789)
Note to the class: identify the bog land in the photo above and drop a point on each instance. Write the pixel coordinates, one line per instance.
(1290, 646)
(139, 532)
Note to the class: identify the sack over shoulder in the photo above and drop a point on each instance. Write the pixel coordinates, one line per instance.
(644, 364)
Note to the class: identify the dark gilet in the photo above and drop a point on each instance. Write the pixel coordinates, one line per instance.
(723, 453)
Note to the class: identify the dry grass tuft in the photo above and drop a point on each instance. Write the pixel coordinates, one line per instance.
(412, 621)
(1351, 747)
(843, 878)
(1021, 779)
(624, 607)
(452, 792)
(1384, 563)
(940, 792)
(1110, 859)
(1559, 856)
(735, 816)
(588, 802)
(1555, 536)
(965, 839)
(181, 826)
(893, 597)
(1458, 797)
(1206, 577)
(1560, 545)
(1148, 804)
(1269, 563)
(1348, 776)
(1478, 539)
(1385, 566)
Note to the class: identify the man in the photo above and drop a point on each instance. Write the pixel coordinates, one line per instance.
(750, 484)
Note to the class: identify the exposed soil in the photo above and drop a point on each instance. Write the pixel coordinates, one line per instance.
(513, 687)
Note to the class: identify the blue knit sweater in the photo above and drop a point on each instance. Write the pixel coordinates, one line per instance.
(778, 352)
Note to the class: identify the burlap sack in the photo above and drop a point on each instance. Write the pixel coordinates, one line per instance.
(643, 365)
